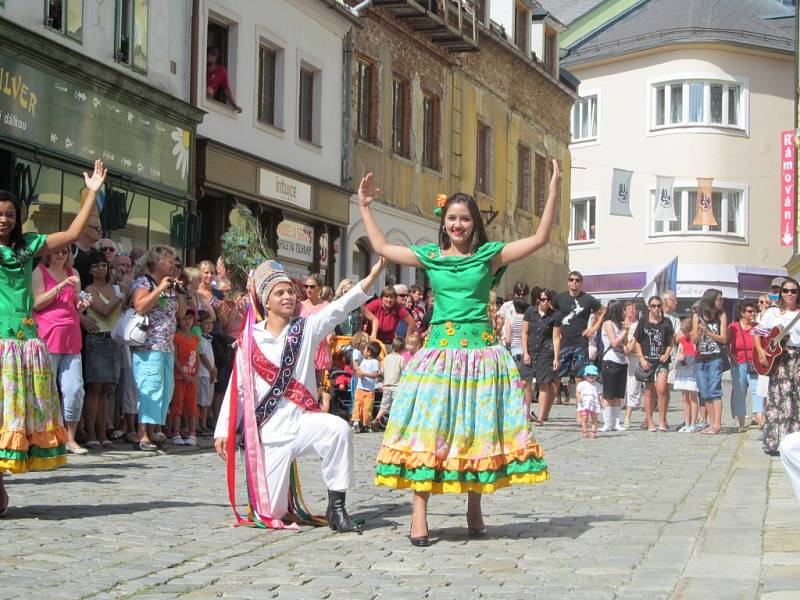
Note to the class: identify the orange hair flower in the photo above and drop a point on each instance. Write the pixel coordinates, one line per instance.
(441, 201)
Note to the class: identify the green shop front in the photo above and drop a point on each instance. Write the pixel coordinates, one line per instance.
(60, 111)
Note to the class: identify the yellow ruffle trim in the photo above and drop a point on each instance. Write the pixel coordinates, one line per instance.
(459, 487)
(35, 463)
(18, 440)
(415, 460)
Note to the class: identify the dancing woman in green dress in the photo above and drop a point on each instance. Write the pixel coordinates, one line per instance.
(458, 421)
(32, 433)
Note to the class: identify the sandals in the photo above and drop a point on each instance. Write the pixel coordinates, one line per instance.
(107, 444)
(710, 431)
(147, 446)
(94, 445)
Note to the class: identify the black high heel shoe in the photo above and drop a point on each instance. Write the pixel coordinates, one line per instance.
(422, 541)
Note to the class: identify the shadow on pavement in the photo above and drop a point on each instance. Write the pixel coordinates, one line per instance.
(77, 477)
(80, 511)
(547, 527)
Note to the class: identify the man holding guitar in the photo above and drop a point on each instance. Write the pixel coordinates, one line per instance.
(777, 346)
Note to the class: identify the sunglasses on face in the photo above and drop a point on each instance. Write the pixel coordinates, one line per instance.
(574, 280)
(309, 287)
(789, 290)
(107, 249)
(544, 299)
(749, 310)
(61, 251)
(655, 306)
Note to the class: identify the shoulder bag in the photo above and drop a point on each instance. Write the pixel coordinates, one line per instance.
(131, 328)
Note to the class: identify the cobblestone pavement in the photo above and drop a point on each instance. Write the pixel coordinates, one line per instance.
(632, 515)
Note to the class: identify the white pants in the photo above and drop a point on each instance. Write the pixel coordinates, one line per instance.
(327, 436)
(790, 456)
(633, 388)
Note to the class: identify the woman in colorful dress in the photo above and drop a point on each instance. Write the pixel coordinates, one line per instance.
(32, 434)
(458, 421)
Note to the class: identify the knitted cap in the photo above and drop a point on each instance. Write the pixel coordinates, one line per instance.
(266, 276)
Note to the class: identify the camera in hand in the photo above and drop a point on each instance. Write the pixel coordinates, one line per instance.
(179, 286)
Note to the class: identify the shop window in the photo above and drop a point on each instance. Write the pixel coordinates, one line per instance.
(540, 186)
(483, 178)
(44, 213)
(401, 117)
(523, 177)
(221, 76)
(366, 95)
(160, 219)
(268, 88)
(65, 17)
(431, 128)
(72, 188)
(131, 33)
(309, 104)
(582, 218)
(134, 235)
(362, 258)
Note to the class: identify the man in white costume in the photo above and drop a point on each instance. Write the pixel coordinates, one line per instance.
(274, 378)
(790, 457)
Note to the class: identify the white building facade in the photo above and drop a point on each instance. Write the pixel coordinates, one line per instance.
(713, 108)
(282, 154)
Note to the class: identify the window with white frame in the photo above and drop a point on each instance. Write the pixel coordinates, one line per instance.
(697, 102)
(130, 46)
(582, 219)
(728, 210)
(584, 119)
(65, 17)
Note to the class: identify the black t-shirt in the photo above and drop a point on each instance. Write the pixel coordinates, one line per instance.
(654, 338)
(540, 329)
(80, 262)
(575, 312)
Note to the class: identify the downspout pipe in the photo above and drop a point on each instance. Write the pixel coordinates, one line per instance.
(358, 8)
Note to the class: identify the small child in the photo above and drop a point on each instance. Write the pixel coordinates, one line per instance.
(684, 376)
(413, 343)
(184, 398)
(392, 370)
(367, 372)
(207, 371)
(588, 396)
(359, 342)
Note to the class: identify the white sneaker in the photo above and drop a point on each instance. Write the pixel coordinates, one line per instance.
(177, 441)
(190, 441)
(683, 429)
(605, 428)
(619, 427)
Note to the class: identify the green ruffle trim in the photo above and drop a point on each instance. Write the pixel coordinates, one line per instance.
(36, 451)
(531, 465)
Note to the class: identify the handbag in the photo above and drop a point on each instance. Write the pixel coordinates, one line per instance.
(643, 375)
(131, 328)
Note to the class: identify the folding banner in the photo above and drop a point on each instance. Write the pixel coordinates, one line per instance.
(621, 192)
(704, 213)
(665, 206)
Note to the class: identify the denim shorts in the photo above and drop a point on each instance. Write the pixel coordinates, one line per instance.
(708, 374)
(572, 360)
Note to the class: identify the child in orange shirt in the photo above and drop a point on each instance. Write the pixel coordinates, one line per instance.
(184, 398)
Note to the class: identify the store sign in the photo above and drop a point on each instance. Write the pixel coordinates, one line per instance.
(275, 186)
(62, 116)
(615, 282)
(296, 241)
(787, 188)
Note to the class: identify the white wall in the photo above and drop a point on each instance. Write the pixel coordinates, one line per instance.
(169, 38)
(749, 160)
(306, 31)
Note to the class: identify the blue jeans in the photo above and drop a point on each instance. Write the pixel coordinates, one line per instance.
(68, 373)
(572, 360)
(741, 382)
(155, 382)
(708, 374)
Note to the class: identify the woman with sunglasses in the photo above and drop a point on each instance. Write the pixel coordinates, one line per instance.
(783, 401)
(32, 433)
(710, 336)
(541, 344)
(743, 375)
(654, 337)
(311, 306)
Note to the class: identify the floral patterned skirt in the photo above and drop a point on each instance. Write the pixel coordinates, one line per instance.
(458, 424)
(781, 415)
(32, 433)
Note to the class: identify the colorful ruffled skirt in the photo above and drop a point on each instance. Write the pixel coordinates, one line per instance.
(32, 434)
(458, 424)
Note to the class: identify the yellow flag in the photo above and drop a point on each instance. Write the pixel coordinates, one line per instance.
(704, 213)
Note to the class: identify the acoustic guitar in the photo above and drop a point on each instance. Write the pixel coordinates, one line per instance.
(773, 345)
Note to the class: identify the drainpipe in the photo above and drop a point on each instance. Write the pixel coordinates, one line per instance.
(361, 7)
(347, 114)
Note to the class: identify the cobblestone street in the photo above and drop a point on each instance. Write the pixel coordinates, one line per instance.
(630, 515)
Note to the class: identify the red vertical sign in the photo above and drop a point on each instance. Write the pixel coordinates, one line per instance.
(787, 188)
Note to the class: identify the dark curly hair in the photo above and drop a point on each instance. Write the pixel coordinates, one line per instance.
(16, 240)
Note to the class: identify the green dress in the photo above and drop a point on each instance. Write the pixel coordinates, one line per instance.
(32, 433)
(458, 421)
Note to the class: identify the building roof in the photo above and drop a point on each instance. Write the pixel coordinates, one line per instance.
(763, 24)
(568, 11)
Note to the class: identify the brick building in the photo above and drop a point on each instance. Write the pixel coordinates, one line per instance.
(437, 108)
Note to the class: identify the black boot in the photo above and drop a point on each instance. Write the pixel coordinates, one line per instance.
(337, 516)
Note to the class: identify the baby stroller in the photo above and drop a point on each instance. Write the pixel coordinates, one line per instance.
(340, 381)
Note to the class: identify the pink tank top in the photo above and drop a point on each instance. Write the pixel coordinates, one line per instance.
(58, 323)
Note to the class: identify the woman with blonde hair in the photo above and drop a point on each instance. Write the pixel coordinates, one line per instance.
(154, 293)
